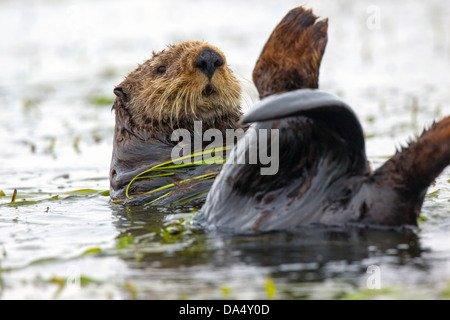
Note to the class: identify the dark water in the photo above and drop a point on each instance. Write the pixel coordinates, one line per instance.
(60, 62)
(314, 262)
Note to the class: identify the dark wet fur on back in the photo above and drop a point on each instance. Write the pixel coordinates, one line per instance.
(323, 176)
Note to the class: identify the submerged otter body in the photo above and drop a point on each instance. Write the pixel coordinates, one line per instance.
(184, 83)
(323, 175)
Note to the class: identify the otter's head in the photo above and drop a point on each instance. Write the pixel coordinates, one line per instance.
(182, 83)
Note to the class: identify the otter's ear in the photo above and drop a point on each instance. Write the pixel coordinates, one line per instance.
(118, 91)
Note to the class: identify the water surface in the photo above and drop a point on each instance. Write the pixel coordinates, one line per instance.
(60, 61)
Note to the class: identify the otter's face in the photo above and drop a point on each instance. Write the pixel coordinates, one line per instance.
(185, 82)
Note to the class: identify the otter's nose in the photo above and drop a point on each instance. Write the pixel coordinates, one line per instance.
(208, 61)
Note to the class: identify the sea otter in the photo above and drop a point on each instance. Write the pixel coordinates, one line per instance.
(323, 174)
(186, 82)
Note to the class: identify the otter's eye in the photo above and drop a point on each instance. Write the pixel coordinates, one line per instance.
(161, 70)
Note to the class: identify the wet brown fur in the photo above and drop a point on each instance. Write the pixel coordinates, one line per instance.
(160, 103)
(391, 196)
(291, 57)
(150, 105)
(414, 167)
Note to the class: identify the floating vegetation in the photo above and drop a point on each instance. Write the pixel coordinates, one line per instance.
(124, 242)
(433, 195)
(101, 101)
(51, 147)
(28, 202)
(77, 280)
(226, 291)
(66, 195)
(131, 289)
(422, 219)
(366, 294)
(28, 104)
(95, 250)
(13, 198)
(86, 192)
(270, 288)
(370, 118)
(109, 72)
(97, 136)
(76, 144)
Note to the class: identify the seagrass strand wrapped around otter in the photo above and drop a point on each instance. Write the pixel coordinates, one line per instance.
(186, 82)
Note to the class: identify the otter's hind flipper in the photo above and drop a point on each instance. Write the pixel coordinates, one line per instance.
(292, 55)
(318, 105)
